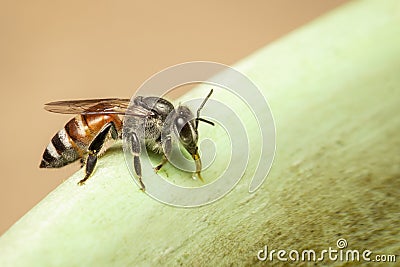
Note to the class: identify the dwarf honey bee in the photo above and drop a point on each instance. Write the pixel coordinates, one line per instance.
(155, 122)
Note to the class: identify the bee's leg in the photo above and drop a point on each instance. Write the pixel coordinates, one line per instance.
(159, 166)
(136, 149)
(82, 162)
(95, 147)
(167, 147)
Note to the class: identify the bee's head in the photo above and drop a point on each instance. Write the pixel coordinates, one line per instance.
(186, 130)
(185, 126)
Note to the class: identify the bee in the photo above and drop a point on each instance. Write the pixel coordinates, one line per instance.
(154, 123)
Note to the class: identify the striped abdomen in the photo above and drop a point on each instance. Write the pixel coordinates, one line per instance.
(71, 142)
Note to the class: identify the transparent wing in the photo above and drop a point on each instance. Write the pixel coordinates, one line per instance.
(117, 106)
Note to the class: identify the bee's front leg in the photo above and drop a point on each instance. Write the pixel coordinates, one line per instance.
(167, 147)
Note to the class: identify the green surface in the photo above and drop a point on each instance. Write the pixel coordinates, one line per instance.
(334, 89)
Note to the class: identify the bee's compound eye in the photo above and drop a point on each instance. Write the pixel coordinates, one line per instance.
(185, 133)
(180, 122)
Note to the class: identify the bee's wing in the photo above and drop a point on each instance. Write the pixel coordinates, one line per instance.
(117, 106)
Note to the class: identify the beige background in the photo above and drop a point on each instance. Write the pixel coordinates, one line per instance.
(81, 49)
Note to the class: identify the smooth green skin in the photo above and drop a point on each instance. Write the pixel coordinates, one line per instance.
(334, 89)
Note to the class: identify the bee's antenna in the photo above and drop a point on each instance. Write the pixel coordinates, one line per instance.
(200, 108)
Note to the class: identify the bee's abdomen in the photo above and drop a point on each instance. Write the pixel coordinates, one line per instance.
(71, 143)
(63, 150)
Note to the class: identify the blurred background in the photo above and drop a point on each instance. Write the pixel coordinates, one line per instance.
(57, 50)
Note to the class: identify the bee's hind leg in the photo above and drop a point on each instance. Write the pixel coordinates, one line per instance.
(95, 147)
(82, 162)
